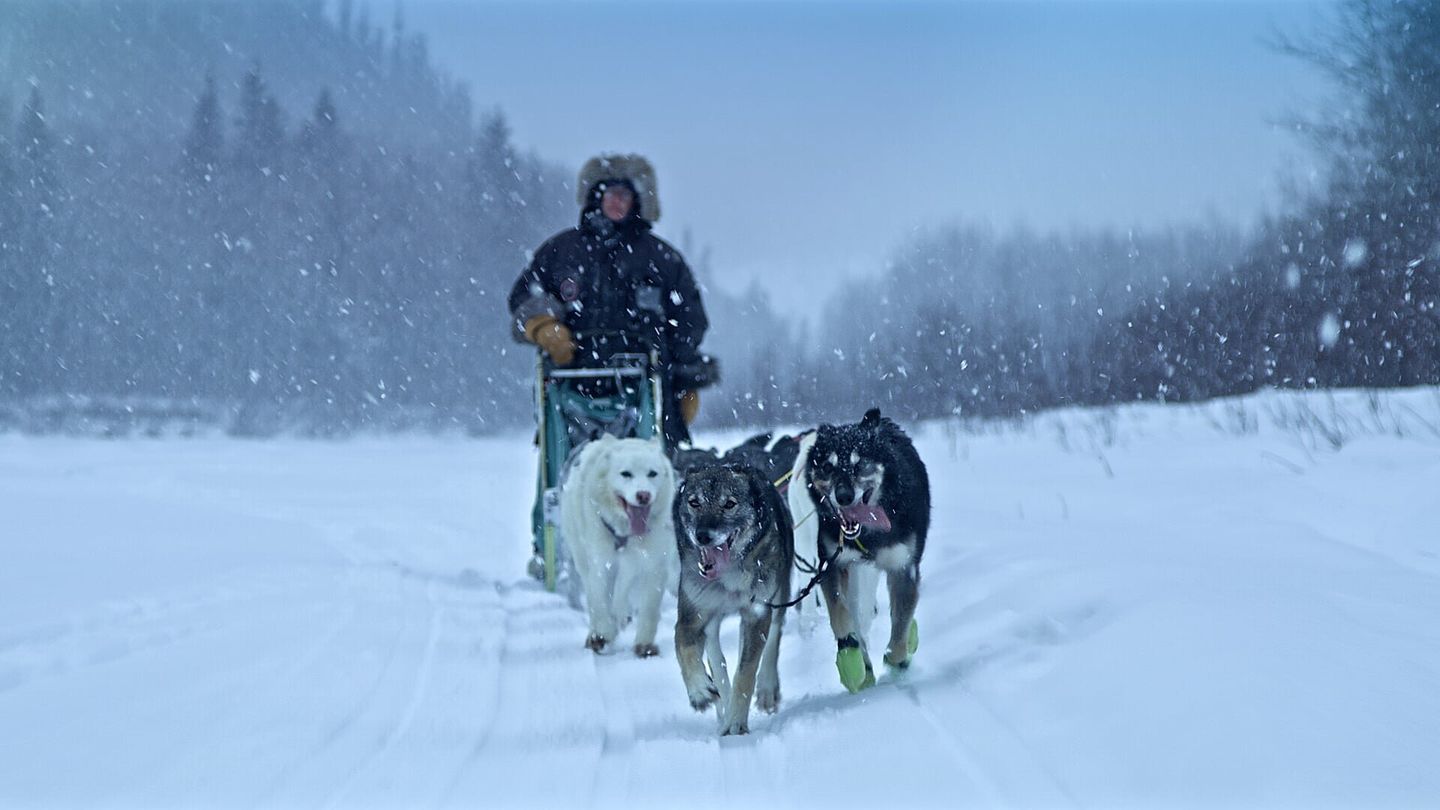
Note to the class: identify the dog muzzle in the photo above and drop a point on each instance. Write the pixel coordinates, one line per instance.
(862, 515)
(715, 558)
(638, 516)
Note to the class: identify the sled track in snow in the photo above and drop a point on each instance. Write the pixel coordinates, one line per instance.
(492, 706)
(613, 768)
(419, 684)
(1010, 756)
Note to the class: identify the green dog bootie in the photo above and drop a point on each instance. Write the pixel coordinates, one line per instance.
(855, 671)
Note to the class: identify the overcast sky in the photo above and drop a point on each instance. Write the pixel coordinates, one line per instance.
(803, 140)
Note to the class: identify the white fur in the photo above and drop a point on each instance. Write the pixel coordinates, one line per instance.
(893, 558)
(864, 580)
(807, 526)
(807, 530)
(635, 576)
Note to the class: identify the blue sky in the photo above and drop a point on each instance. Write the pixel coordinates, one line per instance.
(804, 140)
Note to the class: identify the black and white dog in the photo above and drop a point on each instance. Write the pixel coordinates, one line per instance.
(736, 549)
(871, 496)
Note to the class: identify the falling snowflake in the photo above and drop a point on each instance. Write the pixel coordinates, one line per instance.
(1329, 329)
(1355, 252)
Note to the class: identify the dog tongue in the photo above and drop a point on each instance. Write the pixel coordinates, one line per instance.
(714, 560)
(639, 518)
(865, 514)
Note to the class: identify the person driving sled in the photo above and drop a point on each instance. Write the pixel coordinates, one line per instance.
(609, 285)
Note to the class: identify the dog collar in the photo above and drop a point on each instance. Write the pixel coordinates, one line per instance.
(620, 539)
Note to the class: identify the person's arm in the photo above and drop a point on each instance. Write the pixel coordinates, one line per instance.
(686, 315)
(531, 295)
(535, 312)
(688, 323)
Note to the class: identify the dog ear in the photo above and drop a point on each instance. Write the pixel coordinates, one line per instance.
(871, 420)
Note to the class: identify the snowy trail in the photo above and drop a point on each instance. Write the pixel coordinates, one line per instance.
(1166, 616)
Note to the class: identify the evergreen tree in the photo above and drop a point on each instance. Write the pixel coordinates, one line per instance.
(346, 18)
(329, 343)
(497, 199)
(12, 331)
(36, 148)
(320, 136)
(397, 42)
(261, 132)
(37, 194)
(206, 141)
(365, 32)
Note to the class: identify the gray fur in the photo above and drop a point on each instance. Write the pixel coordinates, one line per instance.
(633, 168)
(734, 504)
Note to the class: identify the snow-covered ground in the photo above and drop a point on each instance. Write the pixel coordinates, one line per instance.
(1233, 604)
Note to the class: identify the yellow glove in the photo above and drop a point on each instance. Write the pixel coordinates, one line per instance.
(552, 336)
(689, 406)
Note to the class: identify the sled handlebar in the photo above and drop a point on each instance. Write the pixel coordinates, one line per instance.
(619, 365)
(592, 373)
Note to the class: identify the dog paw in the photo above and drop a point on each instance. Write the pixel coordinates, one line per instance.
(596, 644)
(646, 650)
(767, 699)
(735, 728)
(899, 658)
(703, 696)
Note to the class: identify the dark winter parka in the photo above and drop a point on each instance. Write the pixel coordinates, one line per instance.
(619, 288)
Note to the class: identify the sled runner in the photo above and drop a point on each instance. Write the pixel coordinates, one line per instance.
(621, 397)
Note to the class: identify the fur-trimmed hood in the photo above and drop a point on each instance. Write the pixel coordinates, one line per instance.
(632, 168)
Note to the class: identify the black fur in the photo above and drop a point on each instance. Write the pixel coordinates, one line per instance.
(772, 463)
(844, 468)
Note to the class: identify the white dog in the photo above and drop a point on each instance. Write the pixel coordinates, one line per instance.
(616, 523)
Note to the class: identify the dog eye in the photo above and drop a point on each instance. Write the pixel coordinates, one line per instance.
(651, 474)
(694, 503)
(627, 474)
(731, 503)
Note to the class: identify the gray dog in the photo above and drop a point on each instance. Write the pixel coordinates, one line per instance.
(736, 548)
